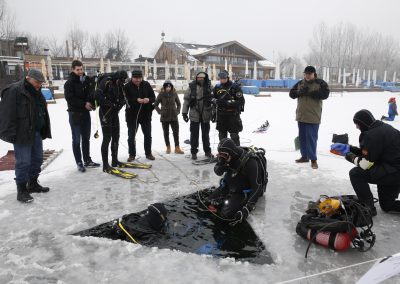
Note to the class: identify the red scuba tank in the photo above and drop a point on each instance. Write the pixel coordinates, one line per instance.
(335, 241)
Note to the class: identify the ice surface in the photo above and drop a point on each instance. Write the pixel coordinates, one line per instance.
(35, 245)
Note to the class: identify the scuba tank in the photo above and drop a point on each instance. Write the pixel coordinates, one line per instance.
(338, 223)
(338, 241)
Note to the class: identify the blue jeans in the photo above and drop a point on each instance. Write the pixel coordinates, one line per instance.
(28, 159)
(80, 128)
(391, 117)
(308, 136)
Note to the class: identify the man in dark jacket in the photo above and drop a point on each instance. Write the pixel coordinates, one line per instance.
(111, 99)
(197, 102)
(309, 93)
(80, 103)
(25, 122)
(229, 103)
(141, 97)
(377, 161)
(245, 180)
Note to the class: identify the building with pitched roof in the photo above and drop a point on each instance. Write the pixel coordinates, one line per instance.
(229, 54)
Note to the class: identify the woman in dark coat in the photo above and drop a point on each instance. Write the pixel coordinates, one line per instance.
(170, 108)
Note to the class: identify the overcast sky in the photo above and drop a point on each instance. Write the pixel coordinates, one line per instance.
(268, 27)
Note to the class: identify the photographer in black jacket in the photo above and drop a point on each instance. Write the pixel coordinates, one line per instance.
(80, 103)
(377, 161)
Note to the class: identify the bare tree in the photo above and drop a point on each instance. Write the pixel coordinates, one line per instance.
(2, 9)
(36, 43)
(346, 46)
(96, 46)
(79, 40)
(118, 46)
(57, 48)
(7, 21)
(7, 25)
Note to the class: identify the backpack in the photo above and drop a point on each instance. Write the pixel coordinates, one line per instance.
(95, 82)
(259, 155)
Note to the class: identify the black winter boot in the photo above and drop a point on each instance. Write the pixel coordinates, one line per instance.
(23, 194)
(35, 187)
(81, 168)
(116, 164)
(106, 168)
(91, 164)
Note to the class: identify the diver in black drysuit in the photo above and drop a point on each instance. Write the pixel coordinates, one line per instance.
(245, 180)
(111, 100)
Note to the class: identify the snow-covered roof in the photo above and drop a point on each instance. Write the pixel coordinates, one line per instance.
(193, 51)
(190, 49)
(266, 63)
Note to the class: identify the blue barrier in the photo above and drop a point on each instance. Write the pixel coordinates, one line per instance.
(47, 94)
(392, 88)
(286, 83)
(274, 83)
(389, 84)
(289, 83)
(251, 90)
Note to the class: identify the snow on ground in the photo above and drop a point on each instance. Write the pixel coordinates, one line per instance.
(35, 245)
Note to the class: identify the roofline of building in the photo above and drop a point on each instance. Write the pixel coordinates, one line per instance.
(230, 43)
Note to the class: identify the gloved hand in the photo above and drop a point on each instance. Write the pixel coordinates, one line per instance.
(302, 91)
(240, 216)
(340, 149)
(185, 117)
(215, 202)
(231, 102)
(359, 161)
(363, 163)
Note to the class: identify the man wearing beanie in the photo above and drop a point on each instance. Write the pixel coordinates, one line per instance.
(141, 97)
(25, 122)
(197, 103)
(309, 92)
(377, 161)
(244, 180)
